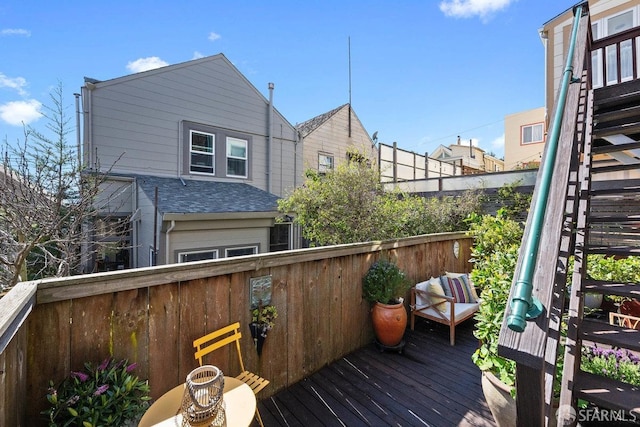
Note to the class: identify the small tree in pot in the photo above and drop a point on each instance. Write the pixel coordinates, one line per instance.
(384, 286)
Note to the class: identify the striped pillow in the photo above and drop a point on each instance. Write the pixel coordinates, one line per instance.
(444, 282)
(468, 282)
(461, 290)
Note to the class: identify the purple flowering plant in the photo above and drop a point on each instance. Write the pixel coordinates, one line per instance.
(108, 394)
(618, 364)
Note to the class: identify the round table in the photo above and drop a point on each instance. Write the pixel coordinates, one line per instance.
(239, 403)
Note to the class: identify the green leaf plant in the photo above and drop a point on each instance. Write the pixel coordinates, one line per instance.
(108, 394)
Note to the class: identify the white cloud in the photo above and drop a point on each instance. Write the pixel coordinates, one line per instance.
(470, 8)
(214, 36)
(146, 64)
(197, 55)
(498, 143)
(18, 112)
(17, 83)
(15, 32)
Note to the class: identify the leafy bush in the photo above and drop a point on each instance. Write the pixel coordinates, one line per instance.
(350, 204)
(104, 395)
(384, 283)
(494, 254)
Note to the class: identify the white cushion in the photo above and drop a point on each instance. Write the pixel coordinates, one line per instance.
(461, 309)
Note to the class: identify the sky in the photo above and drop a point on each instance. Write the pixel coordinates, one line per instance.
(419, 73)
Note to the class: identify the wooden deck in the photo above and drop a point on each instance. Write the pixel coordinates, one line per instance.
(430, 384)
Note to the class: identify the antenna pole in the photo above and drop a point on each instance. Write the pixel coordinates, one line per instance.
(349, 42)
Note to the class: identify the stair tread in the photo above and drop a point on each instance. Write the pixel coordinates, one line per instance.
(612, 148)
(624, 129)
(615, 191)
(606, 392)
(628, 111)
(631, 290)
(603, 333)
(595, 217)
(613, 250)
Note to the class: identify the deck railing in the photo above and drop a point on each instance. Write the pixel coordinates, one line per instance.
(614, 59)
(151, 316)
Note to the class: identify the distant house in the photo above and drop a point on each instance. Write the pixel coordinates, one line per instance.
(524, 138)
(196, 157)
(608, 17)
(327, 139)
(468, 158)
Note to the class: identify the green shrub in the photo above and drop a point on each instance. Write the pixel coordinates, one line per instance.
(384, 283)
(495, 254)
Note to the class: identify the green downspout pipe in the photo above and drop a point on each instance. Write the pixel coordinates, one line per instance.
(523, 304)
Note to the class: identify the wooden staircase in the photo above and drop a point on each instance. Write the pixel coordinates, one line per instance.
(608, 222)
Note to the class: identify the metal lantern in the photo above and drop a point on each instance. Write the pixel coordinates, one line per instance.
(202, 402)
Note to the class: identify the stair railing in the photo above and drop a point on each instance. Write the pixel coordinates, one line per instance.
(531, 327)
(523, 305)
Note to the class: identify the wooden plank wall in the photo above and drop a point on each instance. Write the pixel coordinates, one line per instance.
(152, 315)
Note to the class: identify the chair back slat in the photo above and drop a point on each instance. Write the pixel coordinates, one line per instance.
(217, 339)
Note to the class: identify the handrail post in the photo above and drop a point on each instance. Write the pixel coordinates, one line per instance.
(523, 305)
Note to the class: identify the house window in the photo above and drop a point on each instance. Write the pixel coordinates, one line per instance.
(248, 250)
(608, 27)
(113, 241)
(325, 163)
(280, 237)
(197, 255)
(236, 157)
(202, 152)
(532, 133)
(212, 151)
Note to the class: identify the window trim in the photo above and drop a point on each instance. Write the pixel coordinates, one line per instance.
(531, 125)
(220, 150)
(254, 247)
(212, 154)
(200, 251)
(326, 156)
(229, 156)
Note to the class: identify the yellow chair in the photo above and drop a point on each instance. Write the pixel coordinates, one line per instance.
(220, 338)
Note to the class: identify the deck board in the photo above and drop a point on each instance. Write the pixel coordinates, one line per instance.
(429, 384)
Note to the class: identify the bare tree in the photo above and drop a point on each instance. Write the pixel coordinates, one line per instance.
(45, 200)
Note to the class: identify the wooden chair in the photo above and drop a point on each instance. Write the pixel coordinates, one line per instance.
(220, 338)
(451, 314)
(624, 320)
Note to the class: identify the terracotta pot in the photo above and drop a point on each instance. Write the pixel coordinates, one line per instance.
(498, 397)
(630, 307)
(389, 323)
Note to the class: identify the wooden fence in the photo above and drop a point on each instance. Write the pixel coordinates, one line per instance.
(151, 316)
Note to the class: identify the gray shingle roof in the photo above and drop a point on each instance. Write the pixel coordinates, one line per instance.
(198, 196)
(305, 128)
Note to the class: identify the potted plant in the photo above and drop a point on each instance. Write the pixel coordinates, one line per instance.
(262, 321)
(384, 287)
(106, 394)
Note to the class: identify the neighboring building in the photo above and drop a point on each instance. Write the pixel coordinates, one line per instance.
(197, 158)
(469, 158)
(524, 137)
(328, 138)
(608, 17)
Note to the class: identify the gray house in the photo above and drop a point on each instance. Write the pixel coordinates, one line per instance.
(196, 158)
